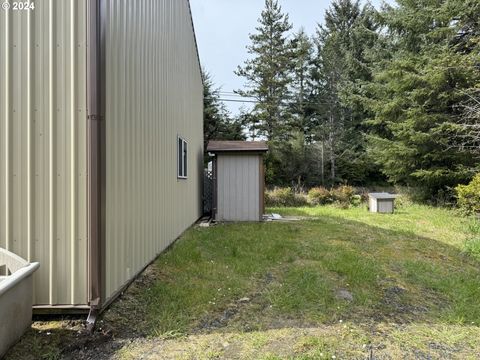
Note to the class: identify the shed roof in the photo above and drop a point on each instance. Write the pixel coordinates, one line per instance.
(382, 196)
(237, 146)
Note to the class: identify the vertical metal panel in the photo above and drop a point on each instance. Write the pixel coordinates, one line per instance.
(43, 145)
(154, 93)
(385, 206)
(238, 179)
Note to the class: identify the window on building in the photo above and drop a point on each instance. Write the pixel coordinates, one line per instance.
(182, 158)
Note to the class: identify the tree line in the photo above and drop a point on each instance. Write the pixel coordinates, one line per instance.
(374, 96)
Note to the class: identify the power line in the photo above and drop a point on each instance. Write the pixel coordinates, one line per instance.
(236, 96)
(257, 101)
(228, 92)
(239, 101)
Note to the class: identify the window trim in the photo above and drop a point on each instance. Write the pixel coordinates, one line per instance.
(182, 158)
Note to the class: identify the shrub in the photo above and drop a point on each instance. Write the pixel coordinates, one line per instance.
(356, 200)
(284, 197)
(468, 196)
(403, 201)
(301, 199)
(319, 196)
(343, 195)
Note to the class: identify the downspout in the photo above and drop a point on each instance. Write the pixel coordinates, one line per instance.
(94, 161)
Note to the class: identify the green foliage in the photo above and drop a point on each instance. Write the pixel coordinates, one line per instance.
(356, 200)
(472, 244)
(267, 73)
(284, 197)
(343, 195)
(373, 96)
(319, 196)
(468, 196)
(415, 94)
(341, 70)
(217, 122)
(406, 269)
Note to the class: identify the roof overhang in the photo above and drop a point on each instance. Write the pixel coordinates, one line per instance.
(216, 147)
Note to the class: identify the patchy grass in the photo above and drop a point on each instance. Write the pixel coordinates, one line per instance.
(472, 244)
(387, 286)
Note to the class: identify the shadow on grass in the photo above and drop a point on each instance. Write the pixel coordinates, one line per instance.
(248, 277)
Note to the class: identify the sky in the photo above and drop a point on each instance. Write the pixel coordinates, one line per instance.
(222, 28)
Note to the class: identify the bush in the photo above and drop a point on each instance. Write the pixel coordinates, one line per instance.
(319, 196)
(356, 200)
(343, 195)
(301, 199)
(468, 196)
(284, 197)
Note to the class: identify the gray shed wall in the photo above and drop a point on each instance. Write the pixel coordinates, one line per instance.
(238, 187)
(385, 206)
(381, 205)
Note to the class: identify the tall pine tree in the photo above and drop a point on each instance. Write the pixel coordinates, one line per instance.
(302, 62)
(342, 68)
(416, 95)
(267, 73)
(217, 122)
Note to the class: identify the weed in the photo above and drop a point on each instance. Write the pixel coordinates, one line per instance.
(472, 244)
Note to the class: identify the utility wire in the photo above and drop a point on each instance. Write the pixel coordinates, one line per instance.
(243, 101)
(257, 101)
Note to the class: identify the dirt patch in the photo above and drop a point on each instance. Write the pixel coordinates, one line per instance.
(233, 310)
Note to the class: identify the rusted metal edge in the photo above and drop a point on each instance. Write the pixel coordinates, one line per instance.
(92, 315)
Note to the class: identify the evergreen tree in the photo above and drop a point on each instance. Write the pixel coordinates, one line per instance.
(416, 95)
(267, 73)
(218, 124)
(342, 68)
(302, 61)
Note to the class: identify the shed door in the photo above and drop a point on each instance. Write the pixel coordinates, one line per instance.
(385, 206)
(238, 188)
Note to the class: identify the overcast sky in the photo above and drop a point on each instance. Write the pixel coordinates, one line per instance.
(222, 28)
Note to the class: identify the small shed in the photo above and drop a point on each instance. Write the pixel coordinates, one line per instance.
(381, 202)
(239, 180)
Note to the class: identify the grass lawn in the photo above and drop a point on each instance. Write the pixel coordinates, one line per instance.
(337, 284)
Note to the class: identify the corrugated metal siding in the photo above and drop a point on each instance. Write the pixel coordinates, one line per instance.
(385, 206)
(238, 186)
(43, 145)
(154, 93)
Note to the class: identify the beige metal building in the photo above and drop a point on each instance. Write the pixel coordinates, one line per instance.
(239, 178)
(101, 139)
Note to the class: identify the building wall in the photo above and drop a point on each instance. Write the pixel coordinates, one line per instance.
(238, 187)
(43, 145)
(154, 93)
